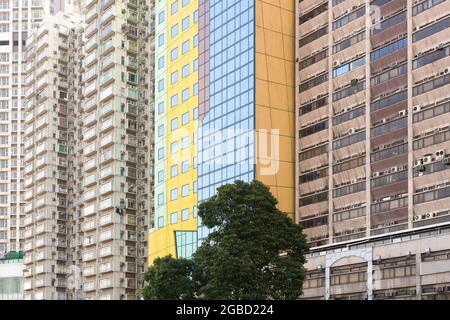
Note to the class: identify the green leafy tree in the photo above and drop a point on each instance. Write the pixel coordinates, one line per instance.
(254, 250)
(170, 279)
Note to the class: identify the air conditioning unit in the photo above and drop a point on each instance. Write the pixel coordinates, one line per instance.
(446, 161)
(376, 174)
(427, 159)
(440, 154)
(420, 168)
(417, 218)
(394, 169)
(336, 63)
(351, 131)
(354, 81)
(420, 53)
(417, 163)
(417, 108)
(402, 113)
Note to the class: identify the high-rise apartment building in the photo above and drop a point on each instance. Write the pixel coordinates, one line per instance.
(88, 152)
(372, 151)
(225, 109)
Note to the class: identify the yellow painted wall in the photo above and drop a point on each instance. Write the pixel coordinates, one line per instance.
(162, 241)
(275, 102)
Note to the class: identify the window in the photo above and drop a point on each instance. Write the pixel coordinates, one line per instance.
(160, 199)
(160, 222)
(173, 171)
(160, 130)
(195, 40)
(161, 108)
(184, 214)
(161, 62)
(185, 47)
(185, 166)
(185, 71)
(161, 40)
(185, 94)
(185, 118)
(185, 142)
(174, 147)
(161, 153)
(174, 77)
(185, 190)
(161, 17)
(195, 113)
(161, 176)
(174, 7)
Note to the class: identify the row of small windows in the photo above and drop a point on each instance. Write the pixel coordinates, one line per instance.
(313, 175)
(389, 152)
(350, 164)
(389, 205)
(313, 129)
(311, 106)
(313, 13)
(425, 5)
(313, 36)
(315, 198)
(389, 126)
(389, 22)
(431, 168)
(313, 59)
(348, 42)
(313, 152)
(349, 18)
(388, 179)
(431, 85)
(431, 57)
(311, 83)
(389, 49)
(349, 90)
(349, 115)
(439, 137)
(432, 195)
(431, 112)
(349, 140)
(353, 188)
(343, 69)
(174, 217)
(388, 101)
(185, 72)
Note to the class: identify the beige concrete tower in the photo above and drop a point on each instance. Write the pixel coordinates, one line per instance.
(372, 116)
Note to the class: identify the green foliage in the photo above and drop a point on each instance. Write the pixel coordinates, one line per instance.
(14, 255)
(254, 251)
(241, 258)
(170, 279)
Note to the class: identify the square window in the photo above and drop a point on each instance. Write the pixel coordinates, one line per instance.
(174, 147)
(195, 113)
(161, 62)
(185, 214)
(185, 190)
(185, 95)
(161, 153)
(161, 40)
(160, 222)
(185, 142)
(185, 166)
(174, 217)
(160, 199)
(185, 118)
(185, 2)
(185, 47)
(161, 108)
(174, 30)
